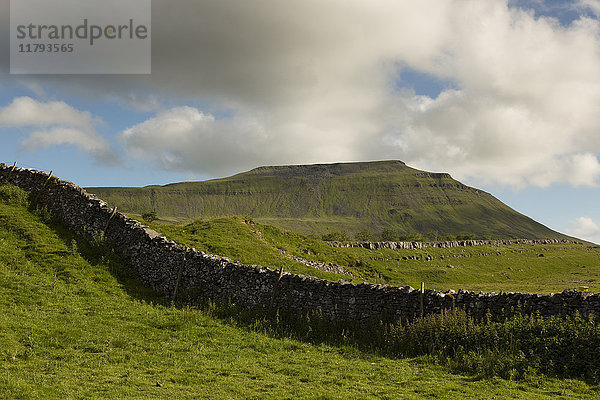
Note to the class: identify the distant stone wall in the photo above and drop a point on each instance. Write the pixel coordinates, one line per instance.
(446, 244)
(327, 267)
(169, 268)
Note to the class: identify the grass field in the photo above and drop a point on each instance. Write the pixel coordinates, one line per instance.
(529, 268)
(76, 324)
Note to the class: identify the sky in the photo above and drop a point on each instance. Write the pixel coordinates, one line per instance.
(503, 95)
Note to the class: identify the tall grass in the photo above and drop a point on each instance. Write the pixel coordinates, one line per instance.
(513, 348)
(517, 346)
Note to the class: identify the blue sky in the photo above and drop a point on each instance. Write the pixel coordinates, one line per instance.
(503, 95)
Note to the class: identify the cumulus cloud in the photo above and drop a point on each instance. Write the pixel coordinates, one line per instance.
(591, 5)
(185, 138)
(585, 228)
(62, 135)
(313, 81)
(60, 124)
(524, 113)
(25, 111)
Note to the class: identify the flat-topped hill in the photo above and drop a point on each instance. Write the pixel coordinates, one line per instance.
(349, 197)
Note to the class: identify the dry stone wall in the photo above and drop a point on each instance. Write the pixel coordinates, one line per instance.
(446, 244)
(172, 269)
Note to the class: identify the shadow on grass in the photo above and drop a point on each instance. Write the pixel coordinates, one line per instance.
(101, 255)
(311, 328)
(483, 349)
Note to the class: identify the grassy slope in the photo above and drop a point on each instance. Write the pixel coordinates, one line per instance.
(75, 325)
(351, 197)
(238, 238)
(486, 268)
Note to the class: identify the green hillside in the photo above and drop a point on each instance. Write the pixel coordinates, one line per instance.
(74, 324)
(489, 268)
(350, 197)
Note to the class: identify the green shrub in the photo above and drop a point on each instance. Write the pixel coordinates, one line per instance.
(10, 194)
(150, 216)
(412, 237)
(335, 237)
(389, 235)
(520, 347)
(364, 236)
(516, 347)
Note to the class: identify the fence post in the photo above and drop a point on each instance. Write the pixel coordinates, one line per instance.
(36, 195)
(275, 292)
(109, 218)
(421, 294)
(179, 273)
(12, 169)
(48, 179)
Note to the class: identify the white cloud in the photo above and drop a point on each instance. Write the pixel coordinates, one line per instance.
(25, 111)
(185, 138)
(591, 5)
(524, 114)
(310, 81)
(60, 135)
(60, 123)
(585, 228)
